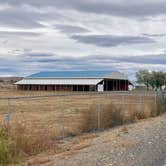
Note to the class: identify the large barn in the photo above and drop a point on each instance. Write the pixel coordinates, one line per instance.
(75, 81)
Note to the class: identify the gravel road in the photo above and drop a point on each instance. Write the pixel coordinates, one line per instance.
(139, 144)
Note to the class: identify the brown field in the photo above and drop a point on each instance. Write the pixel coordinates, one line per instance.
(45, 113)
(36, 123)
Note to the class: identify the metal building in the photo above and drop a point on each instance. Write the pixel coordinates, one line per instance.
(75, 81)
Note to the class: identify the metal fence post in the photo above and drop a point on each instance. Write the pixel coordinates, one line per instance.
(155, 98)
(122, 108)
(99, 112)
(141, 103)
(62, 111)
(8, 117)
(161, 96)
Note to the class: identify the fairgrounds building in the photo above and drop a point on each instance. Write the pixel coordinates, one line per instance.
(75, 81)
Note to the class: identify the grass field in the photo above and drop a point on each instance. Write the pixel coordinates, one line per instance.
(45, 113)
(36, 123)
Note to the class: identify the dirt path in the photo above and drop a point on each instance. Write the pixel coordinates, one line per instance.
(140, 144)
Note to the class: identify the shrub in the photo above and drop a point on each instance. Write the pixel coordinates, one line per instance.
(159, 108)
(23, 142)
(8, 151)
(89, 119)
(110, 116)
(30, 142)
(116, 115)
(139, 115)
(142, 114)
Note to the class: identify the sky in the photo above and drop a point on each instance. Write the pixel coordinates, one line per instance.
(49, 35)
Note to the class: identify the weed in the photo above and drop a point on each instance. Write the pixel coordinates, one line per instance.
(110, 116)
(8, 150)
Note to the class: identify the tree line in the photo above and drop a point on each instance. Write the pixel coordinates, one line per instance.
(152, 79)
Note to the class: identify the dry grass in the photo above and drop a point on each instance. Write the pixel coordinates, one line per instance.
(8, 151)
(36, 123)
(31, 143)
(110, 115)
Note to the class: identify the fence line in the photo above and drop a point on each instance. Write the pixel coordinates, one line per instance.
(82, 93)
(122, 102)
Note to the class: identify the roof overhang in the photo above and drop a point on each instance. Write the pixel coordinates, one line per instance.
(58, 81)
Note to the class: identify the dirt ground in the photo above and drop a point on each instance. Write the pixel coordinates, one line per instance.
(139, 144)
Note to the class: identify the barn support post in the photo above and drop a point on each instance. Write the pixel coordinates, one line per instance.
(116, 85)
(99, 112)
(62, 116)
(125, 86)
(119, 81)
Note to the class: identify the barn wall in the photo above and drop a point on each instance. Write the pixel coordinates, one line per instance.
(109, 85)
(115, 85)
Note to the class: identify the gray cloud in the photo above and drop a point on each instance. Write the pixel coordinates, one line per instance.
(18, 33)
(124, 8)
(110, 40)
(101, 59)
(70, 29)
(16, 17)
(34, 62)
(146, 59)
(39, 54)
(154, 35)
(21, 17)
(27, 18)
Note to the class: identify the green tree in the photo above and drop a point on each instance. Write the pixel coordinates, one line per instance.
(144, 77)
(158, 79)
(154, 79)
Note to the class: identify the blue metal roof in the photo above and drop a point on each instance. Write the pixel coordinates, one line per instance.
(70, 74)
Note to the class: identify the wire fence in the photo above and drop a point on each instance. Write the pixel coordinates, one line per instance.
(61, 115)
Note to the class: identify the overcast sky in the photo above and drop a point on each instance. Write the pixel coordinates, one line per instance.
(124, 35)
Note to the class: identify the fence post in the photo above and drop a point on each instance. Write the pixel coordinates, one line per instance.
(155, 98)
(99, 112)
(8, 117)
(62, 114)
(122, 108)
(141, 102)
(161, 96)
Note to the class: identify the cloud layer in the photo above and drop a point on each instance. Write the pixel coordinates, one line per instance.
(81, 34)
(110, 40)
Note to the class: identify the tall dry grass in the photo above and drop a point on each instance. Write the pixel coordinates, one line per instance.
(30, 139)
(159, 109)
(9, 153)
(30, 142)
(110, 115)
(113, 115)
